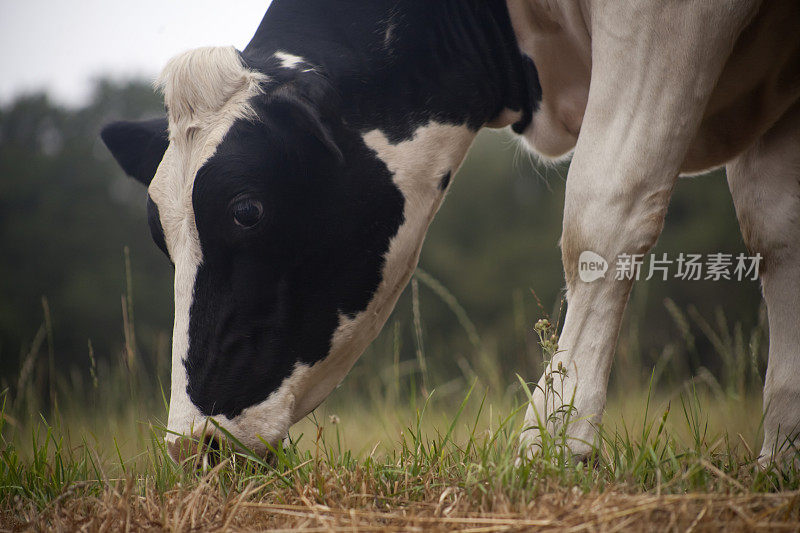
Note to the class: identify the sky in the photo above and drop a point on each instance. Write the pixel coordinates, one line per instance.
(60, 46)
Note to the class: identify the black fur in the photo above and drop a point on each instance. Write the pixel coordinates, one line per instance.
(535, 90)
(138, 147)
(156, 230)
(453, 61)
(445, 181)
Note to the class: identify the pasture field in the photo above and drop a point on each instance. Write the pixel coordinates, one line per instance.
(402, 447)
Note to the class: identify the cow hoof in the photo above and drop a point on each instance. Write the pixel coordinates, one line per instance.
(566, 433)
(564, 449)
(784, 461)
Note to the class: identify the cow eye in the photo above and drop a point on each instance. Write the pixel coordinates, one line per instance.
(247, 212)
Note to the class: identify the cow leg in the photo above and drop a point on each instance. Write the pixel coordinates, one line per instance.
(654, 66)
(765, 184)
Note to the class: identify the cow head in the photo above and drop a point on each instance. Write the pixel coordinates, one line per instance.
(291, 233)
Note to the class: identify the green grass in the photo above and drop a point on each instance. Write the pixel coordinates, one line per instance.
(402, 447)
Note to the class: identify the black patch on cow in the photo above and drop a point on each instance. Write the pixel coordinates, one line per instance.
(138, 147)
(270, 296)
(156, 229)
(445, 181)
(454, 62)
(534, 96)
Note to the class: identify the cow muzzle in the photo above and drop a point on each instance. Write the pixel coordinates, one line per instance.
(196, 452)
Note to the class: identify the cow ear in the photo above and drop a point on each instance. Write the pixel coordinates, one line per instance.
(297, 111)
(138, 147)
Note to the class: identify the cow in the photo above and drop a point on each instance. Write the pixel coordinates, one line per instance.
(291, 184)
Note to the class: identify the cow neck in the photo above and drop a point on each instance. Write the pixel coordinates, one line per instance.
(401, 65)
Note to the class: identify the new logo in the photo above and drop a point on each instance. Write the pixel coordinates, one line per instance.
(591, 266)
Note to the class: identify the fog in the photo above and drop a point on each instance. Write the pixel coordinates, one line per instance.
(60, 47)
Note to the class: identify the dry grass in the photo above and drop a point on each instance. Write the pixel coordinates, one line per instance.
(346, 506)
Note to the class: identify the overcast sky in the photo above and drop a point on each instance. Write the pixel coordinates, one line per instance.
(61, 45)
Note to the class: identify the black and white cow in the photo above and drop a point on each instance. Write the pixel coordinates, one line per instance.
(291, 184)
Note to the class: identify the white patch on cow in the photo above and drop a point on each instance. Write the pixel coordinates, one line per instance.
(269, 420)
(207, 88)
(206, 91)
(288, 60)
(390, 28)
(266, 422)
(388, 34)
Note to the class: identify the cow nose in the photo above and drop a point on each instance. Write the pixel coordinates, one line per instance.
(195, 451)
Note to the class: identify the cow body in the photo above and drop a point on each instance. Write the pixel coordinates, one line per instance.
(756, 86)
(297, 178)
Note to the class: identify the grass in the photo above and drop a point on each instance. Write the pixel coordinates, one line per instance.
(400, 447)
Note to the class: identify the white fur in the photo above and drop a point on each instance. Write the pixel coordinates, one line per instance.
(288, 60)
(207, 87)
(765, 184)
